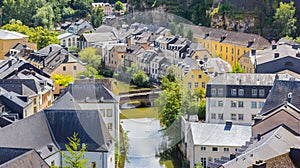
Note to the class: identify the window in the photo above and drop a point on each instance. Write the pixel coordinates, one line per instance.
(238, 52)
(213, 91)
(64, 68)
(93, 164)
(261, 92)
(226, 149)
(213, 103)
(220, 103)
(233, 92)
(253, 104)
(221, 48)
(199, 76)
(74, 42)
(253, 116)
(69, 42)
(102, 112)
(192, 76)
(108, 112)
(220, 116)
(232, 51)
(64, 42)
(215, 149)
(233, 116)
(203, 161)
(241, 92)
(241, 116)
(233, 103)
(74, 68)
(34, 101)
(34, 109)
(226, 49)
(241, 104)
(213, 116)
(220, 91)
(203, 148)
(261, 104)
(190, 85)
(254, 92)
(196, 84)
(203, 85)
(109, 126)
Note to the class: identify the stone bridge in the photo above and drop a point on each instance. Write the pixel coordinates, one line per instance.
(145, 97)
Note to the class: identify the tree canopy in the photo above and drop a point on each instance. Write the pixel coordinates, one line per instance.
(62, 80)
(285, 20)
(91, 56)
(237, 68)
(97, 16)
(141, 79)
(119, 6)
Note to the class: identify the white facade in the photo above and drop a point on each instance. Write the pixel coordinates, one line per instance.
(238, 110)
(97, 159)
(110, 114)
(68, 40)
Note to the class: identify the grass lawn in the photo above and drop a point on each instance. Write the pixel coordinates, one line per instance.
(124, 87)
(149, 112)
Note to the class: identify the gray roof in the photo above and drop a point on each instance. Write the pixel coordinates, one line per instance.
(20, 86)
(65, 102)
(99, 37)
(196, 47)
(209, 134)
(64, 35)
(50, 128)
(279, 94)
(219, 65)
(272, 144)
(231, 37)
(7, 154)
(91, 92)
(7, 35)
(267, 55)
(246, 79)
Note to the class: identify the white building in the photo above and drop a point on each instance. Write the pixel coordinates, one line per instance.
(68, 40)
(207, 141)
(237, 97)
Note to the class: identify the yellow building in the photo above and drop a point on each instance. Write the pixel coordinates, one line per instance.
(195, 79)
(228, 45)
(8, 39)
(190, 73)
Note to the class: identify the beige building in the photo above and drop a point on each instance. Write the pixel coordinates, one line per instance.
(116, 56)
(207, 142)
(8, 39)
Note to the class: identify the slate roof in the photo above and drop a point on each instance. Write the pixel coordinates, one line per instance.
(50, 128)
(65, 102)
(90, 92)
(20, 86)
(267, 55)
(4, 121)
(209, 134)
(246, 79)
(7, 35)
(219, 65)
(64, 35)
(275, 143)
(279, 94)
(99, 37)
(20, 157)
(231, 37)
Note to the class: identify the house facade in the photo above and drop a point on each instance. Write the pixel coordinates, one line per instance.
(237, 97)
(68, 40)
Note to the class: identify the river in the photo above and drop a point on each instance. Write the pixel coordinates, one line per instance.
(144, 139)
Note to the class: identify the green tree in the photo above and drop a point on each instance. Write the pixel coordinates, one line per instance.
(62, 80)
(75, 153)
(170, 102)
(171, 74)
(237, 68)
(199, 165)
(97, 16)
(81, 7)
(118, 6)
(43, 37)
(91, 57)
(180, 30)
(141, 79)
(90, 71)
(173, 28)
(132, 69)
(44, 17)
(285, 20)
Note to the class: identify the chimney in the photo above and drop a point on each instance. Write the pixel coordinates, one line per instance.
(276, 55)
(16, 70)
(258, 137)
(289, 97)
(50, 49)
(259, 164)
(276, 76)
(274, 46)
(232, 156)
(50, 147)
(9, 63)
(222, 38)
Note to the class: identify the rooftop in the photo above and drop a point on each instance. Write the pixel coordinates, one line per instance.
(210, 134)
